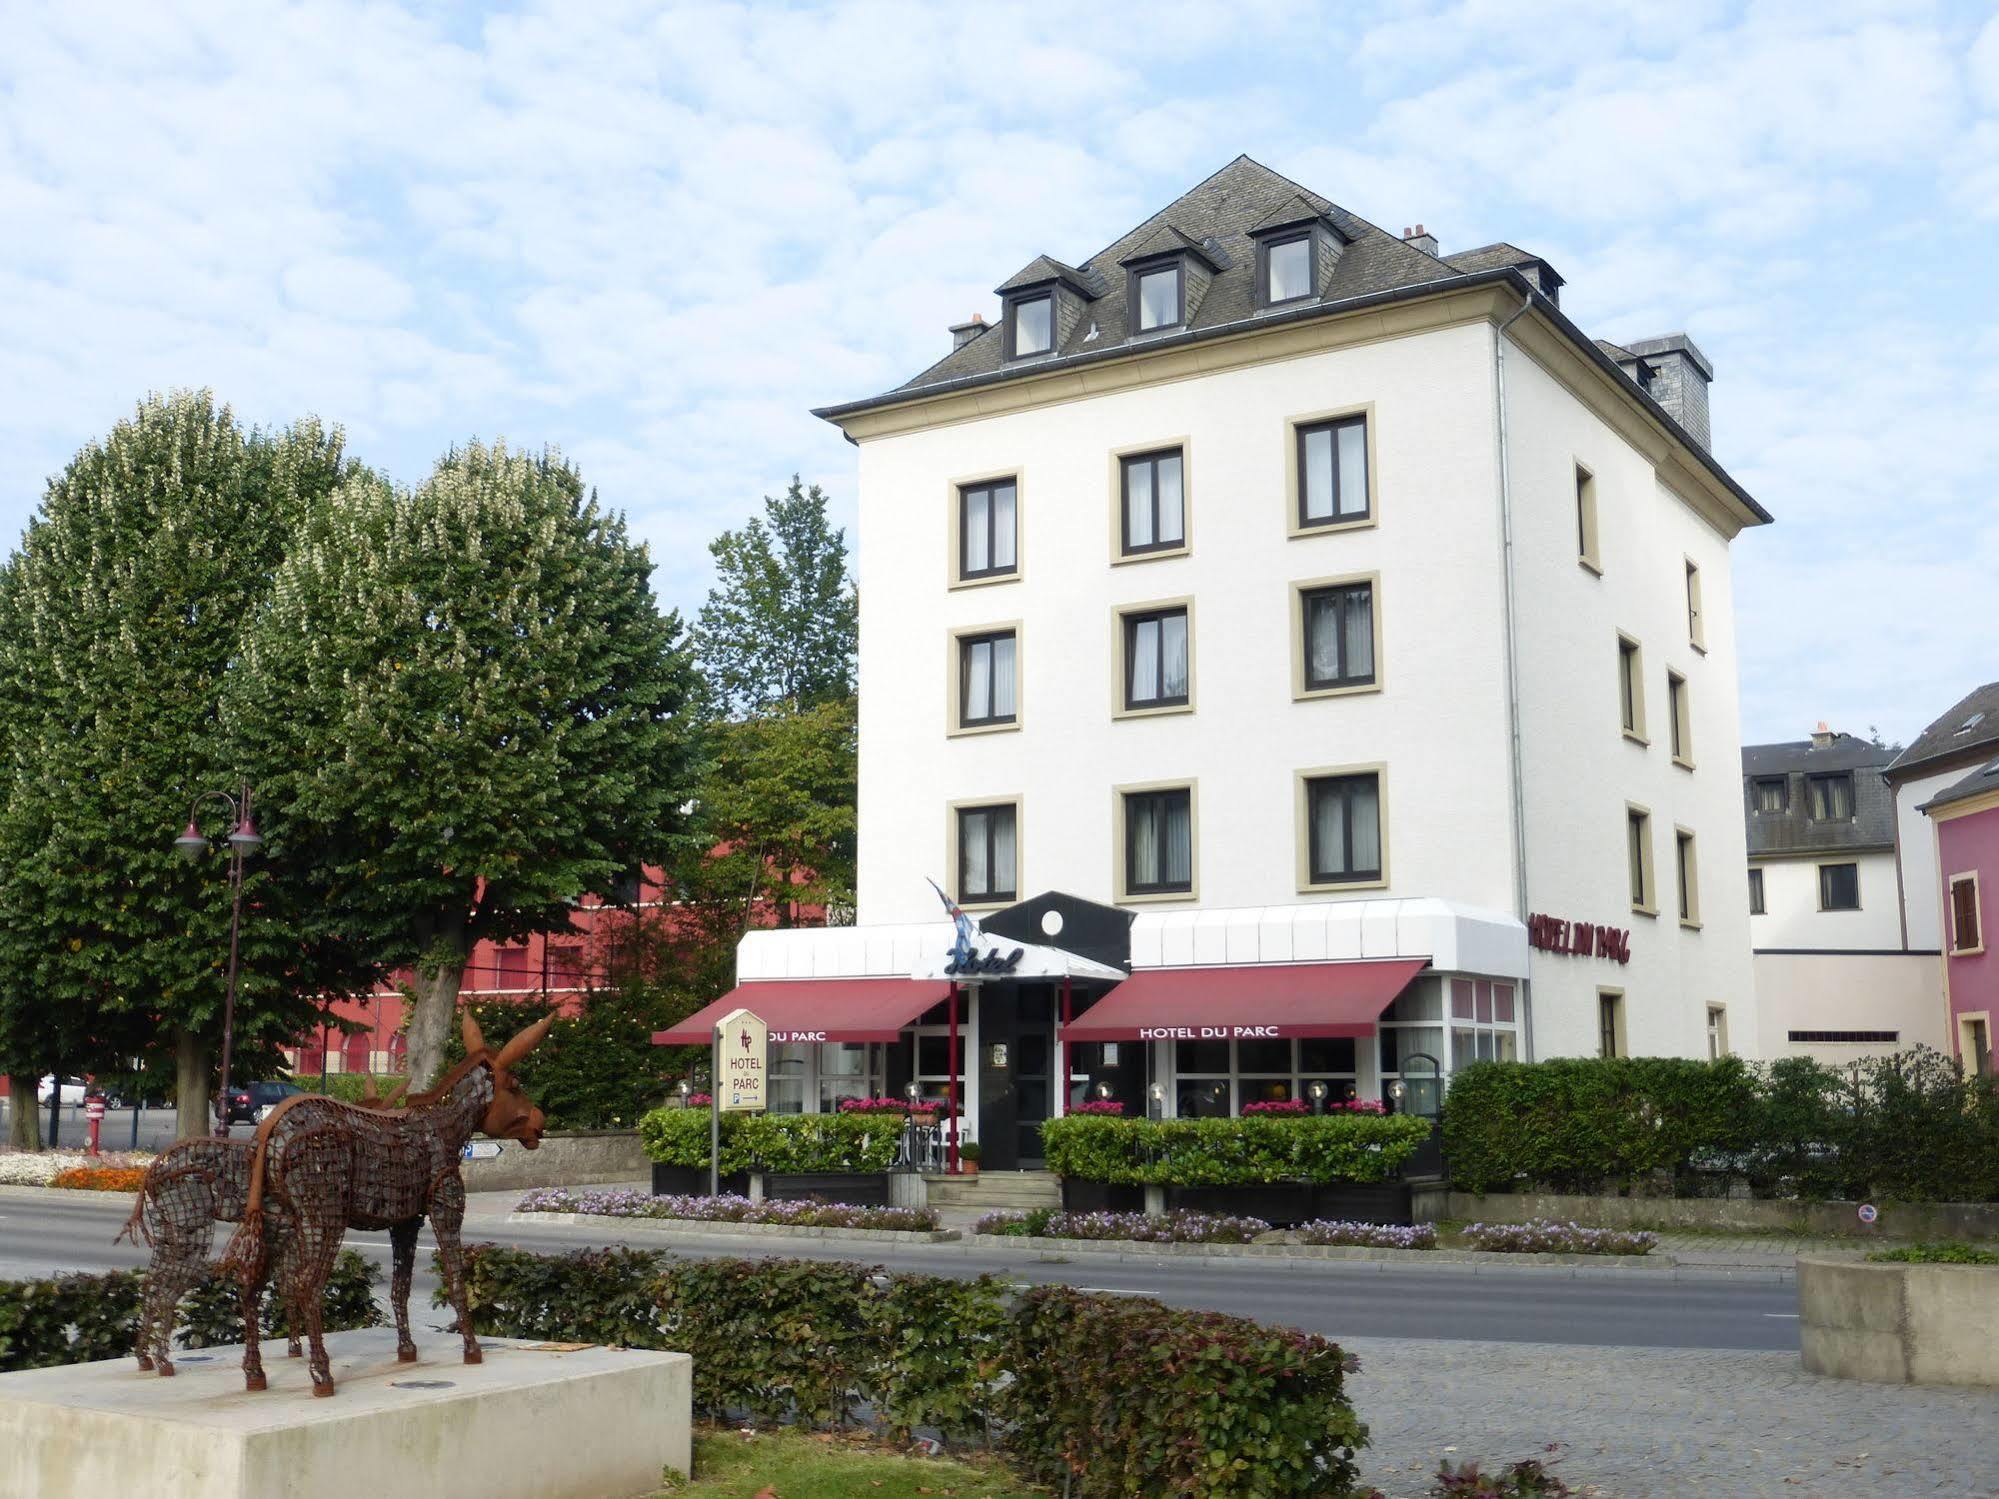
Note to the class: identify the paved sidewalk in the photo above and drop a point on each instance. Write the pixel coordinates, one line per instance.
(1642, 1422)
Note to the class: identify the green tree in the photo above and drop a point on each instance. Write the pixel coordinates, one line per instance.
(124, 610)
(780, 624)
(468, 711)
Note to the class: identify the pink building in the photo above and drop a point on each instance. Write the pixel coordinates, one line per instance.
(1966, 817)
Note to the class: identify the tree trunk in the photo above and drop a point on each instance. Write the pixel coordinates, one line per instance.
(193, 1117)
(24, 1125)
(430, 1020)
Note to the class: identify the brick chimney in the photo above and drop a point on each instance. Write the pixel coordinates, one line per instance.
(1679, 377)
(964, 333)
(1421, 238)
(1822, 737)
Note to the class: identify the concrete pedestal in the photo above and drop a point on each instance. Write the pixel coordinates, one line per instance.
(536, 1421)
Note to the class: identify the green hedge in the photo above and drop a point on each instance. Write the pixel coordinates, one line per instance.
(79, 1319)
(1100, 1396)
(775, 1142)
(1231, 1152)
(1912, 1128)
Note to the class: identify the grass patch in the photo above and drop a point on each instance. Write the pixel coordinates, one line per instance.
(1948, 1252)
(731, 1464)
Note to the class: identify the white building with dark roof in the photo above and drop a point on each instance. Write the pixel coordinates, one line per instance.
(1325, 637)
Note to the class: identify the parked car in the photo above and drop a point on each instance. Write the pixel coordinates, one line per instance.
(72, 1090)
(248, 1102)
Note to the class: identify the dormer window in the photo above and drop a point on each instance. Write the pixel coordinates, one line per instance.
(1287, 269)
(1031, 326)
(1161, 299)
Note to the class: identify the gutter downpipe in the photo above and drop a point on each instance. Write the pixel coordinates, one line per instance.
(1513, 659)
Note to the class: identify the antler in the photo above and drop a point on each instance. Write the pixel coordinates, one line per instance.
(395, 1094)
(523, 1042)
(469, 1028)
(368, 1094)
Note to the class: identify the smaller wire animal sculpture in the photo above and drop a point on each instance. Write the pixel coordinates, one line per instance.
(188, 1189)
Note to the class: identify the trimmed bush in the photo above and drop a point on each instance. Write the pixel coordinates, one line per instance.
(1947, 1253)
(1911, 1128)
(726, 1209)
(1249, 1151)
(859, 1141)
(1118, 1396)
(79, 1319)
(1113, 1396)
(1545, 1236)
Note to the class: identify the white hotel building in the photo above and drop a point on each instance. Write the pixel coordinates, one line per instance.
(1337, 639)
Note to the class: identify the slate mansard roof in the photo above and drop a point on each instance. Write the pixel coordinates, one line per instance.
(1793, 830)
(1218, 222)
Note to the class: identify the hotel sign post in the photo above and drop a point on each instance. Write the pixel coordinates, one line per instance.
(737, 1079)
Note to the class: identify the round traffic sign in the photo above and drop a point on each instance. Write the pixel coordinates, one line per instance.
(1868, 1212)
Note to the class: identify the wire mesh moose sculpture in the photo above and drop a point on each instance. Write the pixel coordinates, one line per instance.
(316, 1168)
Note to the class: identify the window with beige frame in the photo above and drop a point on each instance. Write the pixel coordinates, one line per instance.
(1330, 471)
(1679, 711)
(1155, 656)
(985, 678)
(1967, 933)
(1631, 688)
(1610, 1040)
(1336, 636)
(1588, 552)
(985, 530)
(1686, 873)
(1638, 851)
(984, 852)
(1696, 624)
(1157, 841)
(1717, 1032)
(1342, 828)
(1149, 502)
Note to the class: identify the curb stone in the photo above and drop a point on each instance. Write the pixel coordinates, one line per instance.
(707, 1229)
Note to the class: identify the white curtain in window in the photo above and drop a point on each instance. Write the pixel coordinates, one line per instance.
(1003, 526)
(1143, 831)
(1360, 632)
(1353, 469)
(974, 874)
(1364, 797)
(1290, 270)
(1002, 669)
(1318, 475)
(1329, 817)
(1172, 517)
(1138, 505)
(1145, 661)
(978, 690)
(1173, 656)
(1322, 638)
(1179, 841)
(1003, 839)
(977, 521)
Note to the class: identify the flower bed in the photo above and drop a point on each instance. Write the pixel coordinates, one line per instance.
(1350, 1146)
(101, 1178)
(1142, 1228)
(1369, 1235)
(1546, 1236)
(40, 1168)
(727, 1209)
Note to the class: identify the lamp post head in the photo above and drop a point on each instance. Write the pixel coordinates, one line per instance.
(1317, 1090)
(190, 843)
(246, 837)
(912, 1091)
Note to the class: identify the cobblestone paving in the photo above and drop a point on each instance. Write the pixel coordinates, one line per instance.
(1686, 1423)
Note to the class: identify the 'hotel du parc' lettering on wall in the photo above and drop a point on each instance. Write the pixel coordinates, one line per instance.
(1579, 939)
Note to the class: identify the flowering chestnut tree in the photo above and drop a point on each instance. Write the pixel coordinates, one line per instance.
(465, 710)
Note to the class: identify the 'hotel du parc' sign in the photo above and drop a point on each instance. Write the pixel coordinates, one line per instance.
(1578, 939)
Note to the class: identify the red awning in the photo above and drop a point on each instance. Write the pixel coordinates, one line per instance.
(1273, 1001)
(816, 1009)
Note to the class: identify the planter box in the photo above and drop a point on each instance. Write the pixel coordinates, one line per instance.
(692, 1181)
(861, 1188)
(1100, 1197)
(1364, 1202)
(1898, 1324)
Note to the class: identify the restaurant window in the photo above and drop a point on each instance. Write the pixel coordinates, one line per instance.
(1411, 1030)
(986, 684)
(1152, 503)
(1609, 1023)
(814, 1077)
(987, 838)
(1681, 714)
(1687, 875)
(1586, 538)
(1839, 887)
(1830, 797)
(1964, 929)
(1631, 688)
(1638, 838)
(1343, 829)
(1769, 794)
(1483, 1028)
(988, 529)
(1030, 325)
(1331, 461)
(1755, 892)
(1156, 659)
(1336, 625)
(1159, 841)
(1287, 269)
(1215, 1079)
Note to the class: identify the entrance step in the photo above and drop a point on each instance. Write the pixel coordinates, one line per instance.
(991, 1190)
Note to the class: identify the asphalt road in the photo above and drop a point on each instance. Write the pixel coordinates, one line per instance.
(156, 1127)
(1642, 1309)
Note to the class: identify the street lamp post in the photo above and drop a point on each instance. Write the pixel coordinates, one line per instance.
(193, 843)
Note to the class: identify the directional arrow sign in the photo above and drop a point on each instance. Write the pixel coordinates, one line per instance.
(481, 1150)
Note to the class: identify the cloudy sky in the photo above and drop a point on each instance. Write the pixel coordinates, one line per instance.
(655, 235)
